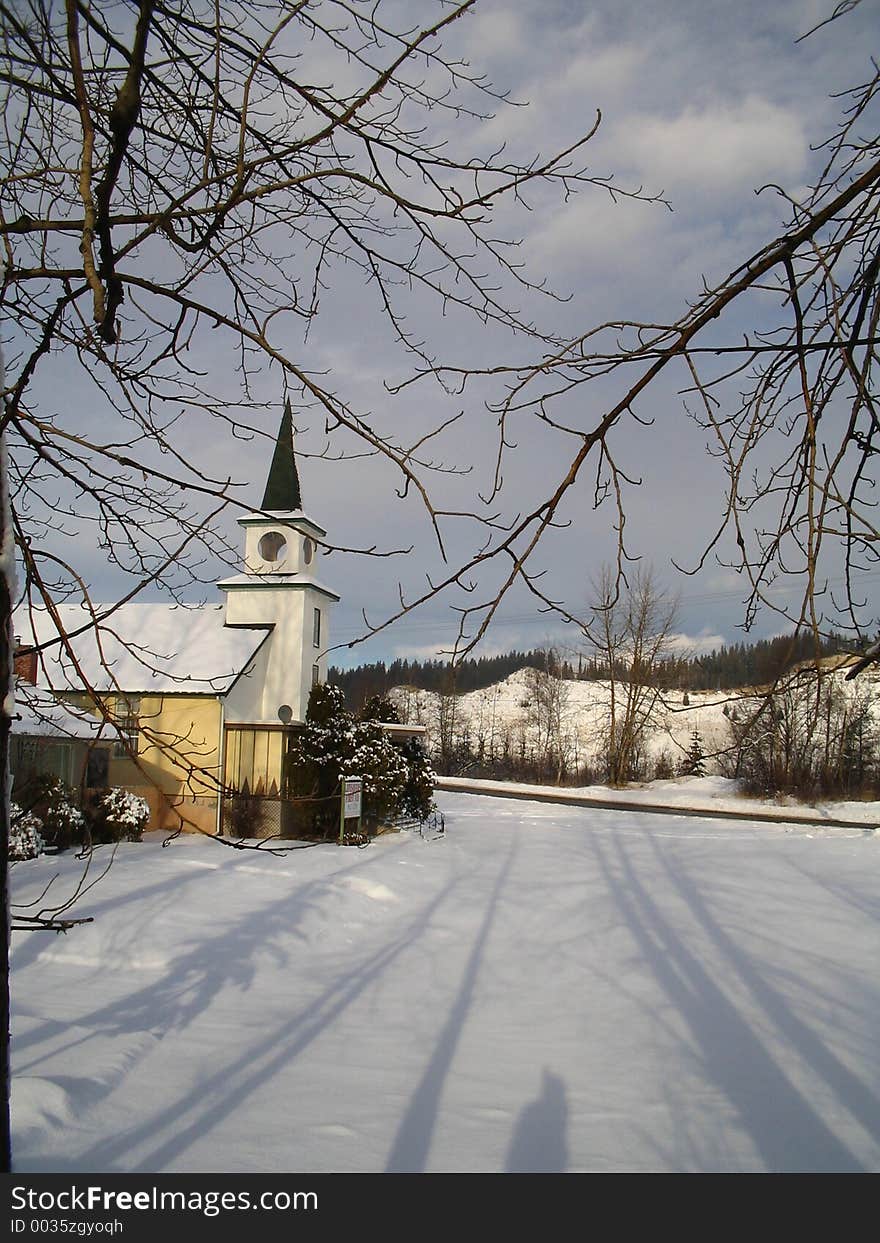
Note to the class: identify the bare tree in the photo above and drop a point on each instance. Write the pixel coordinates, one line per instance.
(181, 184)
(181, 187)
(484, 723)
(178, 167)
(165, 140)
(629, 636)
(809, 734)
(547, 718)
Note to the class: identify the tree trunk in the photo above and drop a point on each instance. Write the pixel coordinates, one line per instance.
(7, 565)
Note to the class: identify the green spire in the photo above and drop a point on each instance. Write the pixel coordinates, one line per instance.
(282, 487)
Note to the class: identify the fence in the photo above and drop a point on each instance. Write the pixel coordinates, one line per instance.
(246, 814)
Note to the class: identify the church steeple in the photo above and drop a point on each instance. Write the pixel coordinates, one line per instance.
(282, 493)
(279, 589)
(281, 542)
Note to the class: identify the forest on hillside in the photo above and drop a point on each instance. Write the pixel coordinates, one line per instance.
(729, 667)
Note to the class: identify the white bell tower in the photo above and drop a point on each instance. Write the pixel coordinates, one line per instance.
(279, 590)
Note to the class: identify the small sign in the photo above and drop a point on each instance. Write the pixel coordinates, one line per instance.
(350, 803)
(353, 787)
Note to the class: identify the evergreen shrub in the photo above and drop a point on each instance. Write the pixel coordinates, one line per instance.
(397, 778)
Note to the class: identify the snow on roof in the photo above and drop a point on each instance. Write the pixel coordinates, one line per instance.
(403, 731)
(146, 648)
(38, 714)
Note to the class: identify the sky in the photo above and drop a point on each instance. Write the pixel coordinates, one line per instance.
(700, 102)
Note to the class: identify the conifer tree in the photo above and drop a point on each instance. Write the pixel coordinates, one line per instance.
(397, 779)
(694, 764)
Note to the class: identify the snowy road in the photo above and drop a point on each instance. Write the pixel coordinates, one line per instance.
(545, 988)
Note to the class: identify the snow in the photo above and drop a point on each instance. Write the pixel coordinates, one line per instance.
(542, 987)
(148, 648)
(511, 710)
(39, 714)
(695, 795)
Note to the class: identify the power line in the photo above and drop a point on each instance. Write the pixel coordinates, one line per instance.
(546, 618)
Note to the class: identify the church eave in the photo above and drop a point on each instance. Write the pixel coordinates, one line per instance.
(275, 582)
(284, 518)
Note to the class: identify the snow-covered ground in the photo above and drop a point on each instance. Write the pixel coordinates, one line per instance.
(709, 796)
(544, 988)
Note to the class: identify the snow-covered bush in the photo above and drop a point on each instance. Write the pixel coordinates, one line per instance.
(397, 777)
(63, 823)
(417, 798)
(118, 816)
(55, 804)
(25, 836)
(383, 768)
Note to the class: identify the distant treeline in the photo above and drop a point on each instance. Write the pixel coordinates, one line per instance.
(725, 668)
(750, 664)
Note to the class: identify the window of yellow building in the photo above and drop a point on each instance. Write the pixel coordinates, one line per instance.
(125, 714)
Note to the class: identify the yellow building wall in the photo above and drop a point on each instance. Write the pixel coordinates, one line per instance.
(178, 759)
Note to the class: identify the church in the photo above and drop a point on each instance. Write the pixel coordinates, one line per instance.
(205, 700)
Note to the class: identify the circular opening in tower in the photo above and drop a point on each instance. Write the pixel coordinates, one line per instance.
(308, 551)
(272, 546)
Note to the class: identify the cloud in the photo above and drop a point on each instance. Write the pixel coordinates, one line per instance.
(715, 149)
(570, 79)
(694, 645)
(497, 33)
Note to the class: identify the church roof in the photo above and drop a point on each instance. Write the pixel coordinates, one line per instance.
(282, 486)
(39, 714)
(146, 649)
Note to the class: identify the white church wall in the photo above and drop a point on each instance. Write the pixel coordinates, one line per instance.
(284, 677)
(243, 703)
(283, 671)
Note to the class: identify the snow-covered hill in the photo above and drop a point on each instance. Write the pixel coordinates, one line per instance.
(529, 708)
